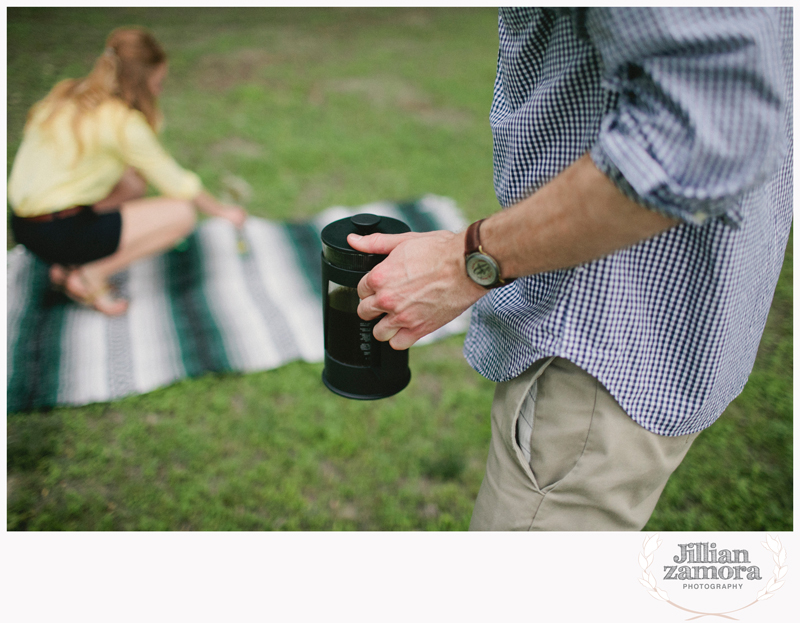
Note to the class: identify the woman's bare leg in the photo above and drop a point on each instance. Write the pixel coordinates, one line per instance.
(149, 226)
(130, 186)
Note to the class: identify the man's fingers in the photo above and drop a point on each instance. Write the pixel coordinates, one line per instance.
(399, 337)
(383, 332)
(388, 327)
(367, 310)
(364, 289)
(408, 286)
(372, 303)
(402, 340)
(381, 244)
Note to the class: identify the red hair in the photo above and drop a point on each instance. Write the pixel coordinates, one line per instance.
(121, 71)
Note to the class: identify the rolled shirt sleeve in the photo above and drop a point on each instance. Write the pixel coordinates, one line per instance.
(142, 150)
(696, 117)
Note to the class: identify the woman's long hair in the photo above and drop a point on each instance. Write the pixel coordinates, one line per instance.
(122, 71)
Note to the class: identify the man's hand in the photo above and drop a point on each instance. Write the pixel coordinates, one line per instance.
(420, 287)
(577, 217)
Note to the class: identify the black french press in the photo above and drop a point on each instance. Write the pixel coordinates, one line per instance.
(356, 364)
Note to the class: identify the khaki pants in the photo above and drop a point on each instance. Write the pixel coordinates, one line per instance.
(591, 466)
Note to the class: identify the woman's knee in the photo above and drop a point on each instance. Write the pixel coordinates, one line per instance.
(160, 216)
(184, 215)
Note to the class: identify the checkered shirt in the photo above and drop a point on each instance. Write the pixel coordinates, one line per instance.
(689, 112)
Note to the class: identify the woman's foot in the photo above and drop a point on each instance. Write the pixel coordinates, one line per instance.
(58, 276)
(99, 296)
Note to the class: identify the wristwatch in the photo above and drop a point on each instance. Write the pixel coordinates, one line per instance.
(482, 268)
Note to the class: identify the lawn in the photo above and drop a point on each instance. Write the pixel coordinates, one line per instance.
(314, 108)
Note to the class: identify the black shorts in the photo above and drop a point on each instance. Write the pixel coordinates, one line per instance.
(74, 240)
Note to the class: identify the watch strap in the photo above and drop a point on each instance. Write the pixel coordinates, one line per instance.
(472, 244)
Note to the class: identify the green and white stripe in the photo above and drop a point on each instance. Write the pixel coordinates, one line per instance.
(202, 307)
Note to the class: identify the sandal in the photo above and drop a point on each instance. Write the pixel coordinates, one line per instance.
(58, 277)
(101, 299)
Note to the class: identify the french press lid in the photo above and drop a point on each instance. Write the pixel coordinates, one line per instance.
(338, 252)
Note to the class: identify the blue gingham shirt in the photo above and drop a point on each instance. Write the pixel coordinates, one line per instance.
(689, 112)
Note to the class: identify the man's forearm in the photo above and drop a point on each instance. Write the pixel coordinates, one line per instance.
(423, 284)
(577, 217)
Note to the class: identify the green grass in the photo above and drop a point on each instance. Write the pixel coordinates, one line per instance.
(321, 107)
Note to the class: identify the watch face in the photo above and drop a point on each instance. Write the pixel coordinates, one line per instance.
(482, 269)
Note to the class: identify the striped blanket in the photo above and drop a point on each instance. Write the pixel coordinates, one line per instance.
(216, 303)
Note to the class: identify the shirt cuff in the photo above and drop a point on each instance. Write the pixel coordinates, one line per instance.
(188, 188)
(658, 197)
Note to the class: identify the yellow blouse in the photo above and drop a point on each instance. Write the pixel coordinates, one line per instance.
(50, 173)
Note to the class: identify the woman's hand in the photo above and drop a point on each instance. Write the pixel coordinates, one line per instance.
(234, 213)
(209, 205)
(420, 287)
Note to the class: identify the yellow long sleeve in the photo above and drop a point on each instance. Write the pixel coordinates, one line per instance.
(52, 172)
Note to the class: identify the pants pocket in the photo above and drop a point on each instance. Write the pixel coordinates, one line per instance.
(563, 402)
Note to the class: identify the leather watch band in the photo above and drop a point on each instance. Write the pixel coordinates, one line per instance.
(472, 241)
(472, 244)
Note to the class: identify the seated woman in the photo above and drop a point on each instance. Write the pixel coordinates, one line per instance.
(78, 180)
